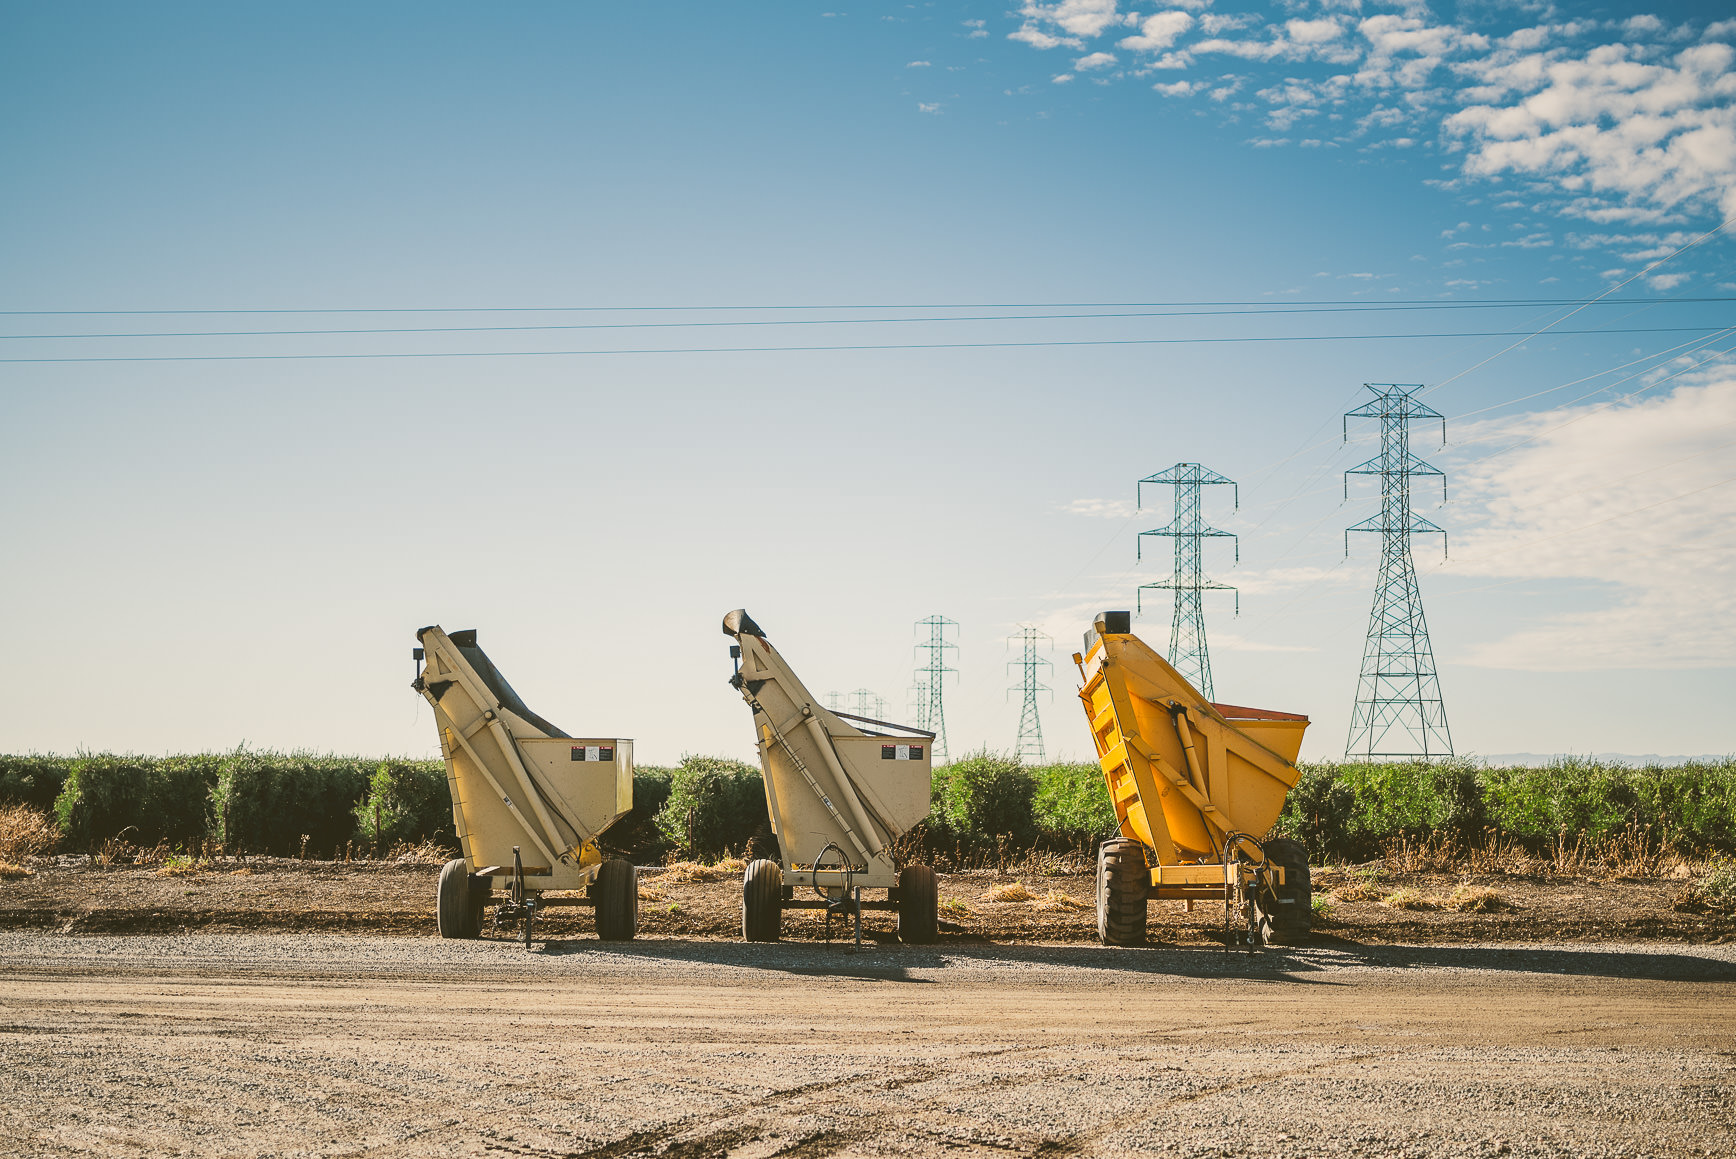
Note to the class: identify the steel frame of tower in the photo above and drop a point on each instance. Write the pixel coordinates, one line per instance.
(1030, 742)
(867, 702)
(862, 702)
(1399, 711)
(932, 714)
(1188, 652)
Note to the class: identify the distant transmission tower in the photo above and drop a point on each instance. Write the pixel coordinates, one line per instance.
(864, 702)
(916, 698)
(1399, 712)
(931, 677)
(1187, 632)
(1029, 663)
(861, 701)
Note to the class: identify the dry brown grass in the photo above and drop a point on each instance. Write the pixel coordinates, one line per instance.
(25, 832)
(1057, 900)
(651, 893)
(1012, 891)
(421, 853)
(1714, 892)
(690, 872)
(731, 865)
(1357, 889)
(9, 871)
(1476, 899)
(1411, 899)
(1633, 853)
(244, 871)
(183, 867)
(956, 906)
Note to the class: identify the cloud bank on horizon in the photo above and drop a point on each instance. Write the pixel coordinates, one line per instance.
(1626, 123)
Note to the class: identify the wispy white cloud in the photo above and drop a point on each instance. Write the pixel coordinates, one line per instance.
(1632, 498)
(1659, 134)
(1093, 61)
(1101, 508)
(1158, 32)
(1630, 123)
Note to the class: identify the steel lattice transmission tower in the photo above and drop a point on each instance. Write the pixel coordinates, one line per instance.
(931, 679)
(1399, 712)
(861, 701)
(1030, 665)
(1187, 633)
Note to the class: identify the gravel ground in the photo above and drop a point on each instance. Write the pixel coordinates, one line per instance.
(341, 1045)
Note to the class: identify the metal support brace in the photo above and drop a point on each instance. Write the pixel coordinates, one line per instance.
(801, 766)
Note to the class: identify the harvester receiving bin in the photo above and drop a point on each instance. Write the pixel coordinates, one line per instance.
(528, 801)
(840, 790)
(1196, 786)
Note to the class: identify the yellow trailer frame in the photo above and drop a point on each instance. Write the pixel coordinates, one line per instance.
(1195, 785)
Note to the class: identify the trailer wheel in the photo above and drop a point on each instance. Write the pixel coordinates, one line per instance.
(1285, 915)
(1122, 886)
(762, 902)
(617, 897)
(481, 893)
(918, 905)
(453, 909)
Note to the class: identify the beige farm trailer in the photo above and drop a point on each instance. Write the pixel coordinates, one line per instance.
(1196, 786)
(528, 801)
(840, 789)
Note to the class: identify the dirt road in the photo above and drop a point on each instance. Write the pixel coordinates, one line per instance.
(335, 1045)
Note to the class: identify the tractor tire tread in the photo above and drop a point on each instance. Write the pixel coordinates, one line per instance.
(617, 900)
(1122, 890)
(918, 905)
(762, 901)
(454, 911)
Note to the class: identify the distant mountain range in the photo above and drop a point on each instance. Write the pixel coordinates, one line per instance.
(1603, 758)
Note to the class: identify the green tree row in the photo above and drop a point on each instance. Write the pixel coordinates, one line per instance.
(983, 805)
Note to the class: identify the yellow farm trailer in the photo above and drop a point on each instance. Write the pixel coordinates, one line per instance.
(840, 790)
(1196, 786)
(528, 801)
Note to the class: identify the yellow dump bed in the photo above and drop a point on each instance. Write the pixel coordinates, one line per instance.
(1184, 774)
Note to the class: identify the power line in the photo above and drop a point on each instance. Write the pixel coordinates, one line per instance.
(1267, 303)
(471, 354)
(568, 326)
(1551, 327)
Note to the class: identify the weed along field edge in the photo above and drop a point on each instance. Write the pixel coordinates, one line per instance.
(1048, 902)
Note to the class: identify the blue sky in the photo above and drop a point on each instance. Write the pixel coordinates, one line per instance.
(209, 542)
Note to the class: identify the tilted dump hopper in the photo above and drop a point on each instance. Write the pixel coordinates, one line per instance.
(840, 790)
(528, 801)
(1196, 786)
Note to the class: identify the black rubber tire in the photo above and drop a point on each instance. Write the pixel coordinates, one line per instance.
(762, 901)
(1285, 916)
(617, 895)
(454, 912)
(1123, 883)
(918, 905)
(481, 893)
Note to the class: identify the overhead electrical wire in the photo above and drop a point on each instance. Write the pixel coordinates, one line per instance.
(1298, 309)
(1079, 342)
(1267, 305)
(1708, 235)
